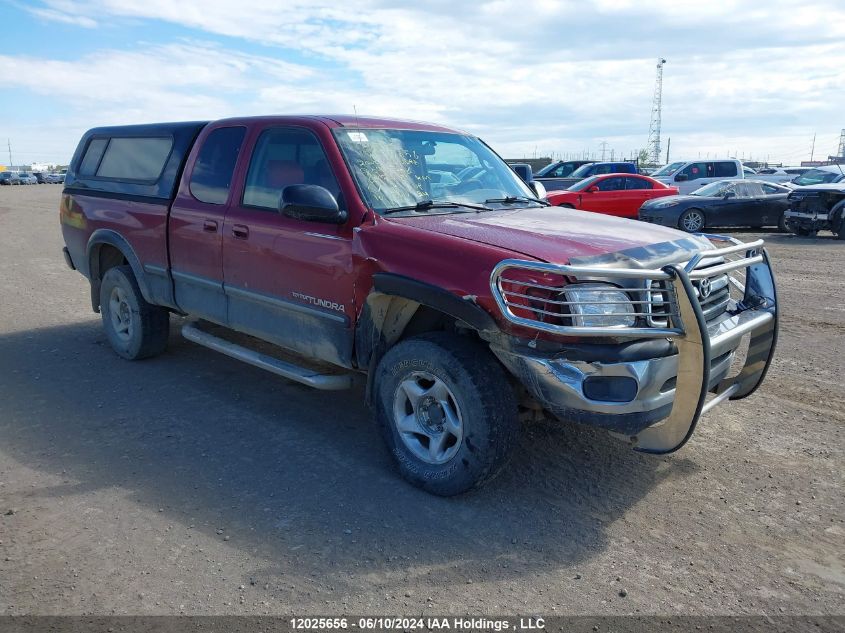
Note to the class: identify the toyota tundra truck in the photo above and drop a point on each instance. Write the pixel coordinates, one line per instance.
(409, 261)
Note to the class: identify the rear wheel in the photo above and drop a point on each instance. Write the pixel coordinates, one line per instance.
(135, 329)
(691, 220)
(446, 410)
(782, 223)
(566, 205)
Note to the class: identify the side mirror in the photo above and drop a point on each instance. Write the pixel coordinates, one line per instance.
(524, 171)
(592, 189)
(311, 203)
(681, 177)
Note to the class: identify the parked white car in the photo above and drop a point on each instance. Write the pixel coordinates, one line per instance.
(818, 176)
(688, 176)
(780, 174)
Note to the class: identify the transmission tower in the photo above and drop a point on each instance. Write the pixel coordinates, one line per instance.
(656, 112)
(841, 152)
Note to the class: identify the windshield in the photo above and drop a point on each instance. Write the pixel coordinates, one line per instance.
(545, 170)
(403, 168)
(815, 177)
(668, 170)
(584, 184)
(713, 190)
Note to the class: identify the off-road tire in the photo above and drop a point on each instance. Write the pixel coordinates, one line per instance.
(482, 394)
(149, 325)
(683, 220)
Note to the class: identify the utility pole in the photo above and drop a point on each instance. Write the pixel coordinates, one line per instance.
(603, 149)
(653, 143)
(841, 152)
(813, 148)
(9, 143)
(668, 145)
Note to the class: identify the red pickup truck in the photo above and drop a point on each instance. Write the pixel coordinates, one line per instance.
(410, 258)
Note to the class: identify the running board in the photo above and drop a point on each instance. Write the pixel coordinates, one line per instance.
(304, 375)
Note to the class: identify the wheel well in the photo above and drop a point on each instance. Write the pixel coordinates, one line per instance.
(104, 256)
(109, 256)
(387, 320)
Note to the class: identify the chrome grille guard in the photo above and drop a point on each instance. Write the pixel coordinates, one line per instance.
(756, 312)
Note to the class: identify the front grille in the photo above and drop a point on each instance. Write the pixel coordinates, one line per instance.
(718, 296)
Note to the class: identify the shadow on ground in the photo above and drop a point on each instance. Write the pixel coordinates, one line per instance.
(301, 477)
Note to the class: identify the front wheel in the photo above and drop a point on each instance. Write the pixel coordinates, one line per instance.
(135, 329)
(691, 221)
(446, 411)
(566, 205)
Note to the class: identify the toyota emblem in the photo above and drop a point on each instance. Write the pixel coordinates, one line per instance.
(704, 288)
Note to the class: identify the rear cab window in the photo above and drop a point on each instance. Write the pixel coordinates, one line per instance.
(211, 178)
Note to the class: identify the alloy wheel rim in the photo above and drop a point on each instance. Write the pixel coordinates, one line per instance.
(428, 418)
(693, 221)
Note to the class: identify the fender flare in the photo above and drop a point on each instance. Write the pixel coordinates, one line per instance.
(98, 239)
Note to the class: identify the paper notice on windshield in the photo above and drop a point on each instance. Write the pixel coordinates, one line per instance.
(357, 137)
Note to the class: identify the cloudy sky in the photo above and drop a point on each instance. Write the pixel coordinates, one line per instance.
(752, 79)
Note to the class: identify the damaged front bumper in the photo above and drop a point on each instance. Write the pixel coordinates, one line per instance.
(655, 402)
(806, 220)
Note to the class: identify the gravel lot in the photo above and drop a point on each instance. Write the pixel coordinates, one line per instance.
(192, 483)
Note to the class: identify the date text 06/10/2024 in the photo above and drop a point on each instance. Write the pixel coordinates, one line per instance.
(417, 623)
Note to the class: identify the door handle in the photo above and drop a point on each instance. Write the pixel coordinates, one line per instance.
(240, 231)
(210, 226)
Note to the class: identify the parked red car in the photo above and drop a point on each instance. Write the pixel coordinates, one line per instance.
(613, 194)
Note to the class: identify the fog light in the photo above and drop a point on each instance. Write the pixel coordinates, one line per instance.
(610, 388)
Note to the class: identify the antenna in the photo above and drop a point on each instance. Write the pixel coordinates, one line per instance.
(653, 143)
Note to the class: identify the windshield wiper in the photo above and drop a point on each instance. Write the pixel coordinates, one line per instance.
(425, 205)
(515, 199)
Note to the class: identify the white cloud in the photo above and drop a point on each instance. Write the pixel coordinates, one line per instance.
(59, 16)
(555, 76)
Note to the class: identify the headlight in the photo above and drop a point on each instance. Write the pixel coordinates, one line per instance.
(665, 203)
(599, 305)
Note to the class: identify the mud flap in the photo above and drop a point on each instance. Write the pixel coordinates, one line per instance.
(693, 374)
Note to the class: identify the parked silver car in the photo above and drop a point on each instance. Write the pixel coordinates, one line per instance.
(54, 179)
(27, 178)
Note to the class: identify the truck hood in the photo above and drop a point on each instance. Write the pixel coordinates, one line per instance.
(556, 235)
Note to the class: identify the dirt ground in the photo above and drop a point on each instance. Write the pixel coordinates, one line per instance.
(194, 484)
